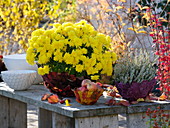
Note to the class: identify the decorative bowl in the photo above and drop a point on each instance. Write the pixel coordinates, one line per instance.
(134, 91)
(18, 62)
(19, 79)
(87, 97)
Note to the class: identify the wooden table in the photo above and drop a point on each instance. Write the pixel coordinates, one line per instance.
(13, 111)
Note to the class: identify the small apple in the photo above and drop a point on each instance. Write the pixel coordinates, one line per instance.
(85, 82)
(92, 86)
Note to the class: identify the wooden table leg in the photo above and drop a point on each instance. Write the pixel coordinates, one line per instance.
(60, 121)
(110, 121)
(44, 118)
(4, 112)
(13, 113)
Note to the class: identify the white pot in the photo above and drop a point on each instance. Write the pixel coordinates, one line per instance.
(19, 79)
(18, 62)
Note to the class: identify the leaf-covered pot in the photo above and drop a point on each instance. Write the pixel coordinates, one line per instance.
(134, 91)
(61, 83)
(89, 93)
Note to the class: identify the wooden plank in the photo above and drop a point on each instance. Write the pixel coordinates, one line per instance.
(3, 112)
(110, 121)
(44, 118)
(136, 120)
(61, 121)
(17, 114)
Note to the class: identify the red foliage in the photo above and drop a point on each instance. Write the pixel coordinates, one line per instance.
(161, 38)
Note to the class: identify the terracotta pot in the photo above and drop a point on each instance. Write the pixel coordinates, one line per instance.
(134, 91)
(61, 83)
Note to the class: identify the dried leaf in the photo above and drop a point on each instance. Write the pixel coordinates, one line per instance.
(119, 7)
(142, 32)
(145, 7)
(139, 6)
(131, 29)
(45, 97)
(121, 0)
(53, 99)
(140, 100)
(134, 102)
(124, 103)
(111, 102)
(163, 97)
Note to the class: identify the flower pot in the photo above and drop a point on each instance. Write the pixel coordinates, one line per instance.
(134, 91)
(61, 83)
(87, 97)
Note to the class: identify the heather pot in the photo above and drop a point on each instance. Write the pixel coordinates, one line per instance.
(134, 91)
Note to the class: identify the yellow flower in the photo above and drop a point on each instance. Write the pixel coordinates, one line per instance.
(114, 56)
(95, 77)
(49, 33)
(98, 66)
(46, 69)
(41, 71)
(79, 68)
(37, 32)
(69, 45)
(67, 24)
(56, 25)
(43, 59)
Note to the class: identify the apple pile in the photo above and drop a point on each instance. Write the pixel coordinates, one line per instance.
(88, 93)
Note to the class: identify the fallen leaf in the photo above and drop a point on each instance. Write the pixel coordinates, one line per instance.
(140, 100)
(53, 99)
(134, 102)
(45, 97)
(111, 102)
(163, 97)
(124, 103)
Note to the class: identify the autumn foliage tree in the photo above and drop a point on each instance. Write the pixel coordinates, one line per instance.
(18, 18)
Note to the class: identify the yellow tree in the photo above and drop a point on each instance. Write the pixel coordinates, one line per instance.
(18, 18)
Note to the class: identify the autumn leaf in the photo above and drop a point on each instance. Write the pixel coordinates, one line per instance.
(124, 103)
(45, 97)
(140, 7)
(142, 32)
(121, 0)
(53, 99)
(163, 97)
(140, 100)
(145, 7)
(119, 7)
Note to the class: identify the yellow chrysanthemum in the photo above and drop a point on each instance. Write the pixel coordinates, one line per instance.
(37, 32)
(76, 46)
(95, 77)
(41, 71)
(79, 68)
